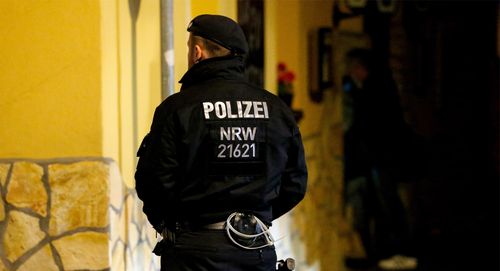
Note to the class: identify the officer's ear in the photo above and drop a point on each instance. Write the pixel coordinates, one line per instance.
(198, 54)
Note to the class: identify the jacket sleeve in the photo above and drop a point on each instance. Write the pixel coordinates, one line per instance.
(157, 169)
(294, 178)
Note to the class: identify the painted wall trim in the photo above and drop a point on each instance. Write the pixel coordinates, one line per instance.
(110, 97)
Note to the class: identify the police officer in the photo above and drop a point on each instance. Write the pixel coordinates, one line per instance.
(223, 159)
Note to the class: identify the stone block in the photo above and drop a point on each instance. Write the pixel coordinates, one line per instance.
(84, 251)
(4, 170)
(22, 233)
(2, 210)
(116, 233)
(43, 260)
(79, 196)
(133, 229)
(26, 188)
(117, 194)
(117, 252)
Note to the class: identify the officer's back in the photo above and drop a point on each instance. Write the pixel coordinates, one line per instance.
(218, 149)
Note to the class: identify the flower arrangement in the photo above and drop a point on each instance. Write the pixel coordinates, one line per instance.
(285, 83)
(285, 79)
(285, 88)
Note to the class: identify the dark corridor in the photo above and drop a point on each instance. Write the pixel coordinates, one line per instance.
(450, 94)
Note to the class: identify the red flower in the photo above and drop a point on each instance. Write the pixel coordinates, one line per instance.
(284, 76)
(281, 66)
(289, 77)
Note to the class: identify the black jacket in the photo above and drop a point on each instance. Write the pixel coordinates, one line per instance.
(218, 146)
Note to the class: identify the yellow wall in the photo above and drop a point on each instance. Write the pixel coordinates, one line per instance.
(50, 78)
(222, 7)
(271, 10)
(295, 20)
(182, 17)
(124, 128)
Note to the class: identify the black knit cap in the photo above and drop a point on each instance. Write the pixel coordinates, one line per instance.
(221, 30)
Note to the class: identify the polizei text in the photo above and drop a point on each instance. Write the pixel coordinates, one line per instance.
(235, 110)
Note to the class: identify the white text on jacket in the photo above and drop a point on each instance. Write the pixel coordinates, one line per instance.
(236, 110)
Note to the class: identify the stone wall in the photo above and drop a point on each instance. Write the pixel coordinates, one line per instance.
(319, 218)
(71, 214)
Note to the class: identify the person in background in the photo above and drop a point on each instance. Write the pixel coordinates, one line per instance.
(222, 160)
(376, 140)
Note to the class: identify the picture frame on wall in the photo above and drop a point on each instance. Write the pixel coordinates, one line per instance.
(320, 62)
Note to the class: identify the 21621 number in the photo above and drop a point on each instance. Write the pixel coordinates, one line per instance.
(244, 150)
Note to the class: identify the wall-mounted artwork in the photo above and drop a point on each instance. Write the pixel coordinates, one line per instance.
(320, 63)
(251, 19)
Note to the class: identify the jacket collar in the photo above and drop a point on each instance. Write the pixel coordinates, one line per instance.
(228, 67)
